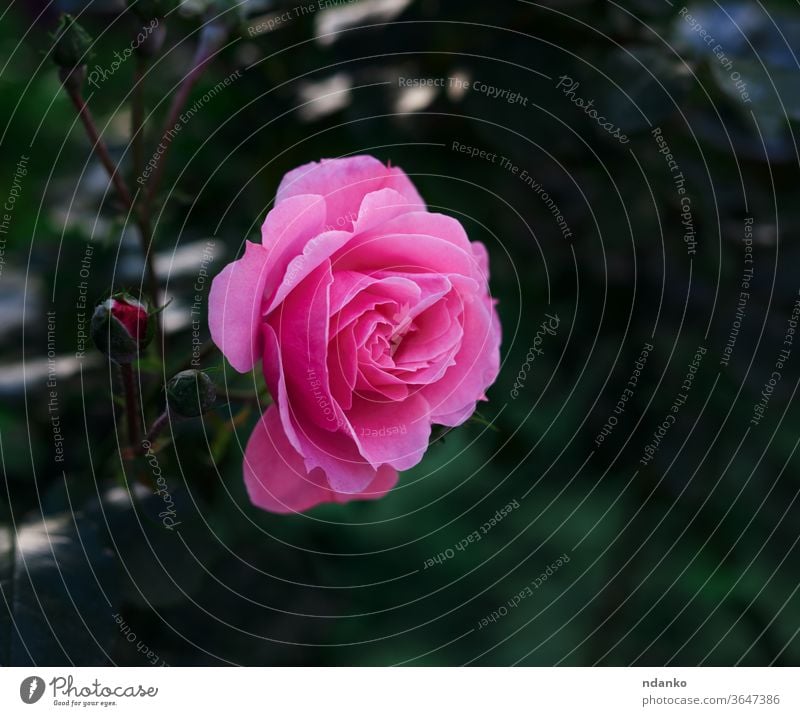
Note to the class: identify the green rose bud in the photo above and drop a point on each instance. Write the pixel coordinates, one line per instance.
(121, 327)
(71, 43)
(190, 393)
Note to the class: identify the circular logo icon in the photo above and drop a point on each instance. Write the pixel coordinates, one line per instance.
(31, 689)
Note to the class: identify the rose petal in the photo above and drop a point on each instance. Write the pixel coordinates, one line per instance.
(335, 452)
(301, 325)
(482, 259)
(375, 383)
(364, 311)
(378, 207)
(416, 291)
(453, 398)
(234, 308)
(394, 253)
(286, 231)
(439, 331)
(442, 227)
(315, 252)
(344, 183)
(343, 367)
(274, 472)
(277, 480)
(393, 433)
(347, 286)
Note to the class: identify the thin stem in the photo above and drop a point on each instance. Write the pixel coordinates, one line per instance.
(137, 115)
(131, 404)
(142, 217)
(98, 145)
(141, 448)
(146, 240)
(158, 425)
(71, 84)
(211, 38)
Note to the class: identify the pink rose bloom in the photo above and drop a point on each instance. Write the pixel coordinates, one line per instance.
(372, 319)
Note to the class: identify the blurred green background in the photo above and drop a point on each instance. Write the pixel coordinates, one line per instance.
(691, 558)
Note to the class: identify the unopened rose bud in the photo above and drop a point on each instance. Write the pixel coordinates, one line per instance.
(71, 43)
(121, 327)
(190, 393)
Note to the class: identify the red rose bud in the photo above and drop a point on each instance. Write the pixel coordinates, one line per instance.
(190, 393)
(121, 327)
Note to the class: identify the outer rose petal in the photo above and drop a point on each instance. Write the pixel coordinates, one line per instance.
(394, 433)
(441, 227)
(286, 230)
(482, 257)
(344, 183)
(315, 252)
(336, 453)
(381, 206)
(454, 397)
(300, 257)
(276, 478)
(380, 250)
(235, 305)
(301, 326)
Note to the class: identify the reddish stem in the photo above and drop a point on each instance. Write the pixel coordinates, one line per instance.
(211, 37)
(72, 80)
(72, 87)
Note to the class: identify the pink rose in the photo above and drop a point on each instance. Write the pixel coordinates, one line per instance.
(373, 320)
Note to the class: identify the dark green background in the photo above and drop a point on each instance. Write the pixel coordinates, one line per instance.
(692, 559)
